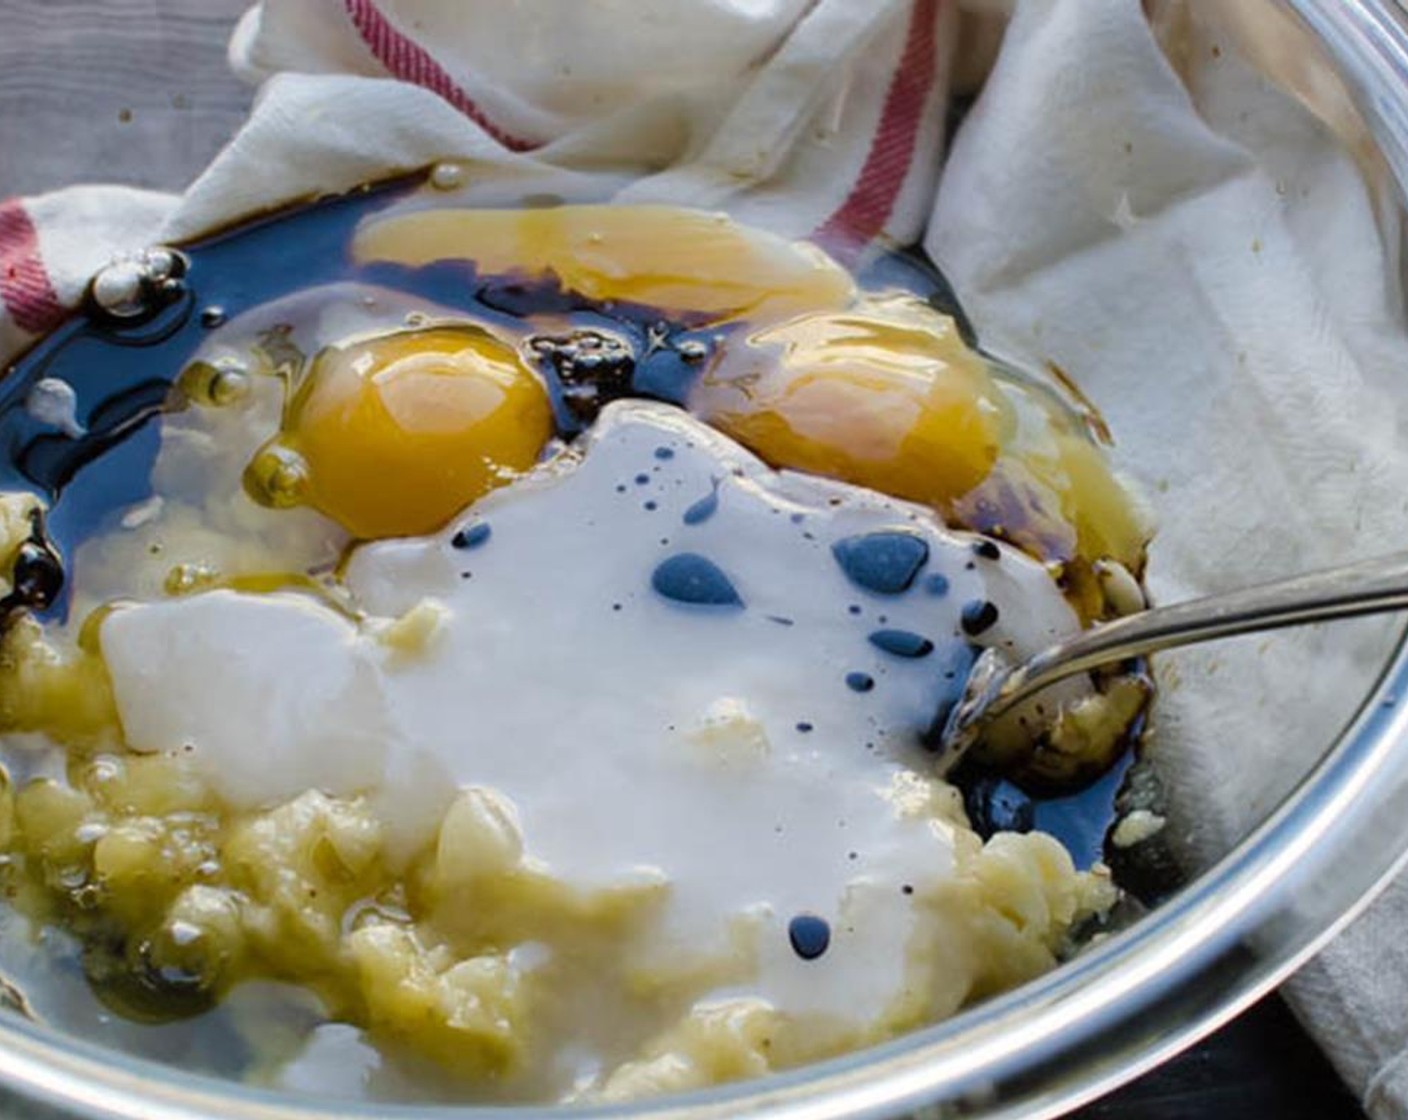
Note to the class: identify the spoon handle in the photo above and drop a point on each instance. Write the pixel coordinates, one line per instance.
(1367, 587)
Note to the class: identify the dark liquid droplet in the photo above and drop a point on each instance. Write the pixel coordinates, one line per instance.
(585, 369)
(995, 805)
(987, 549)
(902, 643)
(690, 578)
(37, 573)
(38, 576)
(978, 615)
(884, 562)
(704, 508)
(809, 936)
(860, 682)
(472, 536)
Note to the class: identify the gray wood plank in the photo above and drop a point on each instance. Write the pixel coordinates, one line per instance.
(124, 91)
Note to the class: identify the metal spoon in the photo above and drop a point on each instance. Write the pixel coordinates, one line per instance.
(995, 684)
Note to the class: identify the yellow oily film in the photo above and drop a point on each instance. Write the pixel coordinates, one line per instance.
(695, 263)
(395, 434)
(1107, 521)
(1054, 493)
(884, 394)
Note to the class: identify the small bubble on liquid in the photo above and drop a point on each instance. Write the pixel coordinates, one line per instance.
(277, 477)
(214, 385)
(182, 579)
(120, 289)
(692, 350)
(229, 386)
(447, 176)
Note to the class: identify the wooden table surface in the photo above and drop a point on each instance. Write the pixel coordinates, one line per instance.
(137, 91)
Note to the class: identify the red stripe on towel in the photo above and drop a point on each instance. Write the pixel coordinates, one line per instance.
(872, 199)
(408, 60)
(25, 288)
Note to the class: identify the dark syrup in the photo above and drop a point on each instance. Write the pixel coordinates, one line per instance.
(123, 376)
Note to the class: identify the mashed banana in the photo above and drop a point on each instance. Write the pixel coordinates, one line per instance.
(134, 853)
(187, 897)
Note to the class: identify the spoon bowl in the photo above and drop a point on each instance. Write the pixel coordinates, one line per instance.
(996, 684)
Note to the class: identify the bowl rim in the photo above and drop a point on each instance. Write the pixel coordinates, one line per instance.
(1116, 1011)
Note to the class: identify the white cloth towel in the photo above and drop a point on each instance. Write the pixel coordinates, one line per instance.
(1195, 247)
(1203, 255)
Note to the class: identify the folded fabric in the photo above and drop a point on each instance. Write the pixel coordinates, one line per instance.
(1203, 256)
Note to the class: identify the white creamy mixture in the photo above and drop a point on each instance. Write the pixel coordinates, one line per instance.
(758, 753)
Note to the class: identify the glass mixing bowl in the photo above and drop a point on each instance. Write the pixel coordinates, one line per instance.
(1256, 910)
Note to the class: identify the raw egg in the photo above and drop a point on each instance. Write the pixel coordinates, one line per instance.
(699, 264)
(884, 394)
(395, 434)
(887, 395)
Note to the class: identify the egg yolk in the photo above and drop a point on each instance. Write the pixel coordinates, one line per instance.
(694, 263)
(394, 435)
(885, 395)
